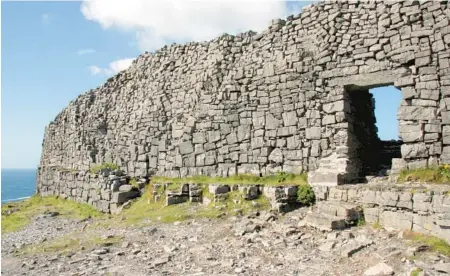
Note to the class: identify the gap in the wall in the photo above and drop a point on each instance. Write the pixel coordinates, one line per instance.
(387, 101)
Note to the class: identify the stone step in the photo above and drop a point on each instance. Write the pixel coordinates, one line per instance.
(325, 222)
(340, 209)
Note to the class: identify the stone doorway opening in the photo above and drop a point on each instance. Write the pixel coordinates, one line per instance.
(373, 129)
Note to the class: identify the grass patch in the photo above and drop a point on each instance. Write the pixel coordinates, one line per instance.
(435, 244)
(361, 221)
(97, 168)
(377, 225)
(305, 195)
(273, 180)
(35, 205)
(69, 243)
(133, 182)
(145, 210)
(416, 272)
(438, 175)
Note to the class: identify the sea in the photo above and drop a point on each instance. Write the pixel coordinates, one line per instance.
(18, 184)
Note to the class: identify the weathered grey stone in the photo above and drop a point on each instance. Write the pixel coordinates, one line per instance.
(396, 220)
(276, 156)
(380, 269)
(293, 98)
(216, 189)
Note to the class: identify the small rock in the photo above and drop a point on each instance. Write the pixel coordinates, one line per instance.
(136, 251)
(101, 251)
(125, 188)
(327, 247)
(442, 267)
(412, 250)
(161, 260)
(332, 236)
(380, 269)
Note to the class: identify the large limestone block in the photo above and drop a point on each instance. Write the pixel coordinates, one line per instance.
(318, 178)
(416, 113)
(121, 197)
(396, 220)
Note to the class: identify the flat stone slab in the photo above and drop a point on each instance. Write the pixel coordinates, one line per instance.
(121, 197)
(176, 198)
(218, 189)
(325, 222)
(344, 210)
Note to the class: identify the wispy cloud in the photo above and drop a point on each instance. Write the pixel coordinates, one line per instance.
(87, 51)
(113, 67)
(45, 18)
(189, 20)
(95, 70)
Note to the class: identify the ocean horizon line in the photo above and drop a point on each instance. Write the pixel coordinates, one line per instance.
(15, 199)
(19, 168)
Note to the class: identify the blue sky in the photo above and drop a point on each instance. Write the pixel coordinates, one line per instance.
(54, 51)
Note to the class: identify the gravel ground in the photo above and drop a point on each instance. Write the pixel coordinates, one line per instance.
(264, 244)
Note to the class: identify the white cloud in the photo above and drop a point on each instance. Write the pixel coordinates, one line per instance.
(95, 70)
(156, 23)
(113, 67)
(120, 65)
(45, 18)
(87, 51)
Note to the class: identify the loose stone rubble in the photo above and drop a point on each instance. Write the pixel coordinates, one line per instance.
(293, 98)
(258, 244)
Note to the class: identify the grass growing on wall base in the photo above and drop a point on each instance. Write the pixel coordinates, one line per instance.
(97, 168)
(145, 209)
(438, 175)
(305, 195)
(25, 210)
(272, 180)
(435, 244)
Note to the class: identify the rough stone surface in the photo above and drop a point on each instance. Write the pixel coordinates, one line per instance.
(261, 244)
(415, 207)
(292, 98)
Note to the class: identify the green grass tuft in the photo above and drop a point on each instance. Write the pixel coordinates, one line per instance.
(69, 243)
(97, 168)
(437, 175)
(305, 195)
(133, 182)
(245, 179)
(145, 210)
(377, 225)
(435, 244)
(35, 205)
(416, 272)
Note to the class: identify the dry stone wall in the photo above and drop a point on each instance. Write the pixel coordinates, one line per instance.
(420, 208)
(107, 191)
(281, 100)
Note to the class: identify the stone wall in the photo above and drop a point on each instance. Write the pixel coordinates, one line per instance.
(421, 208)
(262, 103)
(105, 191)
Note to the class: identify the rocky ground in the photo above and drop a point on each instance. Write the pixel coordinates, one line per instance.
(258, 244)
